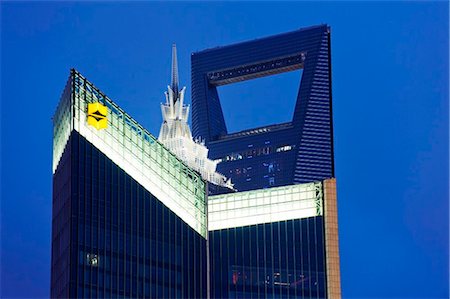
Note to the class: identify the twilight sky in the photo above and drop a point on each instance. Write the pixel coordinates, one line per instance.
(390, 63)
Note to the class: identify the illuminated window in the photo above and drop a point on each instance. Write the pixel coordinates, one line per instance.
(284, 148)
(92, 259)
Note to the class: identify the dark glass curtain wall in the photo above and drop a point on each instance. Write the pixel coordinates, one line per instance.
(112, 238)
(274, 260)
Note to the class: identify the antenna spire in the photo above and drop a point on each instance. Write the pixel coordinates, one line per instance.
(174, 83)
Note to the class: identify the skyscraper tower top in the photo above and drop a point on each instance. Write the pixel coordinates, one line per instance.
(174, 82)
(176, 134)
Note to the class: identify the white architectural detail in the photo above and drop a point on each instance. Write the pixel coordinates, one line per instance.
(176, 135)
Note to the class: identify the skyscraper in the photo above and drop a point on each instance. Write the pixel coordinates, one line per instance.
(298, 151)
(277, 236)
(129, 218)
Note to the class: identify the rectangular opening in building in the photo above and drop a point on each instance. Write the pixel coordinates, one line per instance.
(259, 102)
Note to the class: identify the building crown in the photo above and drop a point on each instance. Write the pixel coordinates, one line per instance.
(176, 135)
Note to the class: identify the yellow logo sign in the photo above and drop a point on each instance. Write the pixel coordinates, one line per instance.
(97, 116)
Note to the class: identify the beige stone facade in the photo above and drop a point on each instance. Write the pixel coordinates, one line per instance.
(332, 240)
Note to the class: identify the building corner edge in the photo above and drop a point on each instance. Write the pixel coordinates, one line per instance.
(333, 271)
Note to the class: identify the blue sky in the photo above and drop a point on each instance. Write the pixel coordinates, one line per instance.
(390, 92)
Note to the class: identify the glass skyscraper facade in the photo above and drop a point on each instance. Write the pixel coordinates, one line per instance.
(272, 243)
(130, 219)
(299, 151)
(113, 233)
(260, 248)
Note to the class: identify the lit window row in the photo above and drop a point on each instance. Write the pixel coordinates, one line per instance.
(264, 206)
(294, 60)
(267, 150)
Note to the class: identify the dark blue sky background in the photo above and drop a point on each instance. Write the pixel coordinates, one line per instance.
(390, 92)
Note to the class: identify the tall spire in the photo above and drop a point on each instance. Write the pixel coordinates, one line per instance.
(176, 134)
(174, 83)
